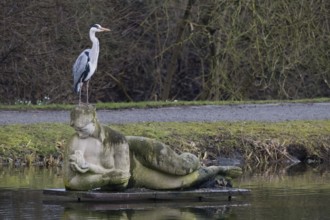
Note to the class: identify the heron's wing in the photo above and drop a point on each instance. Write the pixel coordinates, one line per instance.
(80, 67)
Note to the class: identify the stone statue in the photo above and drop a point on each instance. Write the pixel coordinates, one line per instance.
(100, 157)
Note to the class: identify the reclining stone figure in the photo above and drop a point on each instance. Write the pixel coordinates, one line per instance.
(100, 157)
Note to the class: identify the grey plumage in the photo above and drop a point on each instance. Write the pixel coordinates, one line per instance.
(86, 63)
(80, 68)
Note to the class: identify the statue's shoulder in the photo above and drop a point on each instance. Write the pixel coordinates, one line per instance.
(113, 136)
(74, 138)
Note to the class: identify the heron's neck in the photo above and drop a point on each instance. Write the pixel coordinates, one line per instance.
(94, 53)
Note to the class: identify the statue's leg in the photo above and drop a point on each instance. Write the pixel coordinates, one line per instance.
(84, 182)
(152, 179)
(158, 156)
(92, 181)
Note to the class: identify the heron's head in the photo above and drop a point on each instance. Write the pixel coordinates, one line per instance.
(98, 28)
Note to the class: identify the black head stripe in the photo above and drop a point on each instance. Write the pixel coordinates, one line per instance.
(96, 26)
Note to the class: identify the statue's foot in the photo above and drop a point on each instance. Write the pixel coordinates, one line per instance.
(230, 171)
(217, 182)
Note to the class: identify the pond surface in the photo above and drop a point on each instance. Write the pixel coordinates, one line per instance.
(298, 192)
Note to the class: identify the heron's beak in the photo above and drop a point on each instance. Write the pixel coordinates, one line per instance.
(105, 29)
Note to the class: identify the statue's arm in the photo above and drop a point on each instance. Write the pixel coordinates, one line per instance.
(119, 154)
(119, 174)
(121, 157)
(78, 164)
(97, 169)
(96, 175)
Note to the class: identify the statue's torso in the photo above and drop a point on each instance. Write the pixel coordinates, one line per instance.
(94, 152)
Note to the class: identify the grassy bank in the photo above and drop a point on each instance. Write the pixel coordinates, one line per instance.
(151, 104)
(255, 142)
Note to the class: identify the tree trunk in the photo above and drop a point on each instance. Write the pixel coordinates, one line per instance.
(176, 51)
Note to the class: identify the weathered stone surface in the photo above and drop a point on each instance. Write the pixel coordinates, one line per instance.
(156, 155)
(99, 157)
(140, 195)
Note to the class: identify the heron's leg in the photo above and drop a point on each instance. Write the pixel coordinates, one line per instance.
(80, 85)
(87, 85)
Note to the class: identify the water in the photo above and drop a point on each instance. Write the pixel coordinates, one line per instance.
(299, 192)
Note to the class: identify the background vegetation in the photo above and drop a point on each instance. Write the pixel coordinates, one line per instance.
(186, 50)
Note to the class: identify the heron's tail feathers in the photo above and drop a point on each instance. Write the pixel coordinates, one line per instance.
(77, 87)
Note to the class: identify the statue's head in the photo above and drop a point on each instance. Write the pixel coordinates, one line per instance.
(83, 120)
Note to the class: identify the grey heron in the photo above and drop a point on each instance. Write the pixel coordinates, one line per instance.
(86, 63)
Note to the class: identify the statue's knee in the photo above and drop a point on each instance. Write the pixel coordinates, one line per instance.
(190, 160)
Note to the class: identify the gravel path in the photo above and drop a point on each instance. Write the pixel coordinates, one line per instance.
(209, 113)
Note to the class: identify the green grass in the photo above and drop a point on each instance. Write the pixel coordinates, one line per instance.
(153, 104)
(17, 141)
(227, 137)
(255, 141)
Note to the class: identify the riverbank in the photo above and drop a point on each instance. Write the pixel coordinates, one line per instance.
(249, 141)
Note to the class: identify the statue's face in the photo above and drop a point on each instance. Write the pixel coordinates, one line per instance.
(83, 121)
(85, 131)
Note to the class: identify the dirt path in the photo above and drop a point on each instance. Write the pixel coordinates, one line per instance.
(209, 113)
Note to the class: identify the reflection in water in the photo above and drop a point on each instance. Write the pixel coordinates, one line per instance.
(26, 204)
(30, 177)
(31, 204)
(299, 176)
(296, 192)
(153, 211)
